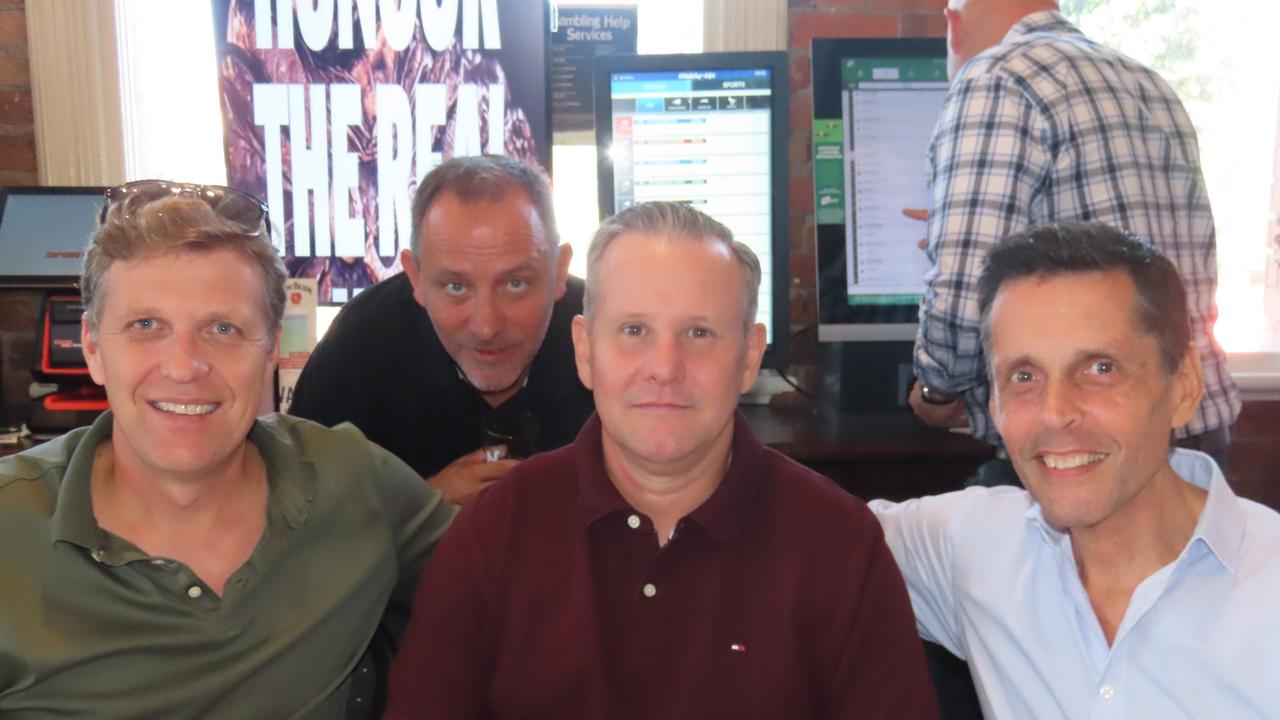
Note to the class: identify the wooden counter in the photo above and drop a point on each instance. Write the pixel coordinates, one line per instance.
(872, 455)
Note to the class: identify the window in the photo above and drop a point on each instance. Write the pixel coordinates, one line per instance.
(1222, 59)
(169, 79)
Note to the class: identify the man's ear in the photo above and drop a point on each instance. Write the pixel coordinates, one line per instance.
(955, 30)
(993, 405)
(92, 353)
(410, 265)
(1188, 387)
(563, 259)
(756, 342)
(582, 350)
(267, 400)
(273, 352)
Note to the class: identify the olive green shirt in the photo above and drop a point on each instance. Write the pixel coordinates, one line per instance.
(92, 626)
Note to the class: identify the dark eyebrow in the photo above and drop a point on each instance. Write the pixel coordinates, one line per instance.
(1079, 356)
(1017, 361)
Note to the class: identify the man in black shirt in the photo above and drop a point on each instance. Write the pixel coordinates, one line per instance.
(491, 357)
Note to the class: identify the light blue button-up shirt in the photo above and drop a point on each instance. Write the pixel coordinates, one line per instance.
(995, 584)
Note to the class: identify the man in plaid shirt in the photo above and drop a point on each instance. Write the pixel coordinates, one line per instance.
(1042, 124)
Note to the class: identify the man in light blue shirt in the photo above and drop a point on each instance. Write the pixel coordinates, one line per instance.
(1126, 581)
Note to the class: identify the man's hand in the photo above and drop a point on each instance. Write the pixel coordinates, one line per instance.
(950, 415)
(922, 215)
(464, 478)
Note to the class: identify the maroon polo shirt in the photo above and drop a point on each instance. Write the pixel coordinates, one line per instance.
(550, 598)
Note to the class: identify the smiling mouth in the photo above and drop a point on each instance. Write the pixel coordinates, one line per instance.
(184, 408)
(1071, 461)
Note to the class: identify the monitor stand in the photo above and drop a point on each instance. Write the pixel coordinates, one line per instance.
(865, 376)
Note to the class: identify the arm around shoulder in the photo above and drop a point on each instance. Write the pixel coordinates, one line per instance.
(918, 534)
(441, 670)
(418, 517)
(881, 670)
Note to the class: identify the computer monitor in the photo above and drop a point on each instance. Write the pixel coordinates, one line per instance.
(43, 234)
(875, 104)
(708, 130)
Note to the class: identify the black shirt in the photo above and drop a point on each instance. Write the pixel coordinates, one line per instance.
(382, 367)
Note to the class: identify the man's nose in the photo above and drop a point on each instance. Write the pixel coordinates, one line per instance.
(486, 317)
(666, 360)
(1061, 408)
(183, 357)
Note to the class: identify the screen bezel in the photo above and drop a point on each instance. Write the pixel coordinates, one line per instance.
(777, 354)
(837, 321)
(43, 281)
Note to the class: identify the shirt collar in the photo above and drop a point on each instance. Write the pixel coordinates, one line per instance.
(1221, 526)
(1044, 21)
(72, 518)
(597, 496)
(722, 515)
(291, 481)
(1035, 515)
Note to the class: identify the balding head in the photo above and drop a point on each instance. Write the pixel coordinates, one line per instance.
(975, 25)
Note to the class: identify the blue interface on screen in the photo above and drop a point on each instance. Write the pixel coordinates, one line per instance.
(702, 138)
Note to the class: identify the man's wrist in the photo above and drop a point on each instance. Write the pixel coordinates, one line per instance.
(937, 397)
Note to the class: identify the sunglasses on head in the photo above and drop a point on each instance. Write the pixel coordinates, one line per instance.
(230, 203)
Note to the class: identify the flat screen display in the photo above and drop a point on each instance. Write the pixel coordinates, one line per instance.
(43, 234)
(875, 106)
(889, 109)
(706, 131)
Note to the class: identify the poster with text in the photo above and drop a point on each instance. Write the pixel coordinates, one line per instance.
(335, 109)
(578, 34)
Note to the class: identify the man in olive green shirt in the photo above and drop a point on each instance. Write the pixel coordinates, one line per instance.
(181, 558)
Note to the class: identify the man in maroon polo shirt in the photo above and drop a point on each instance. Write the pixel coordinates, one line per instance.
(666, 564)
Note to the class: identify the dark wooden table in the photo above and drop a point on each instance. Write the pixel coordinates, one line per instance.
(872, 455)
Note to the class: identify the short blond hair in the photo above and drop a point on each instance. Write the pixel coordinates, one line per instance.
(672, 219)
(139, 228)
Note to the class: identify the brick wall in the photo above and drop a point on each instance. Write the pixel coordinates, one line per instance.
(17, 167)
(17, 130)
(18, 312)
(808, 19)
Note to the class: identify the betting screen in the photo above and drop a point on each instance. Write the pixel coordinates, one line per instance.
(701, 138)
(889, 106)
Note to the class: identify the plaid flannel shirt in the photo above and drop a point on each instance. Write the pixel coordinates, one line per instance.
(1049, 126)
